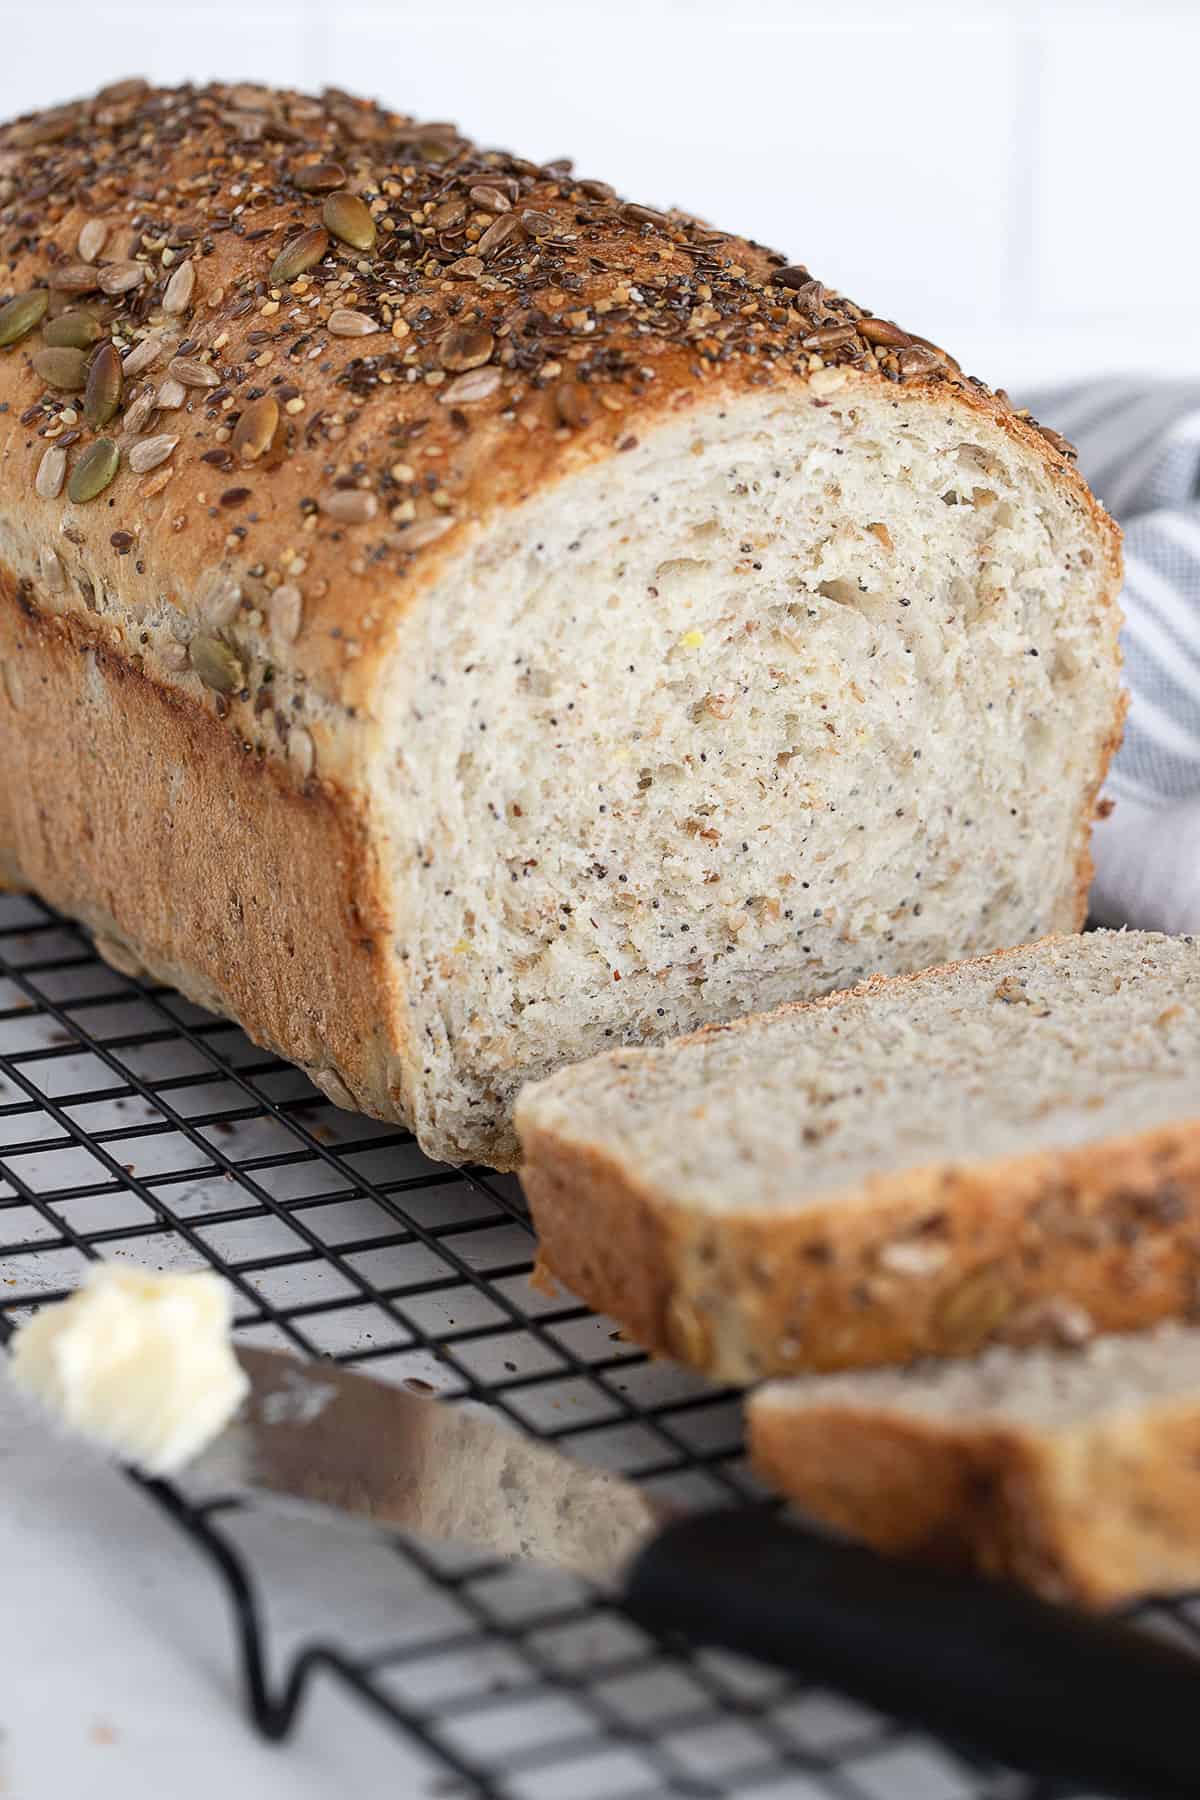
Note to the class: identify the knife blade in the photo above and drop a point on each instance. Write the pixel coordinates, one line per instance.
(1061, 1694)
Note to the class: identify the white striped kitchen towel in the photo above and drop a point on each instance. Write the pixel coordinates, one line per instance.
(1139, 447)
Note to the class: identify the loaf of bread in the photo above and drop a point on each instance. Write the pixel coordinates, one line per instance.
(1075, 1470)
(453, 621)
(903, 1170)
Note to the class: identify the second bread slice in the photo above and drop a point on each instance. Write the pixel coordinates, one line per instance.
(904, 1169)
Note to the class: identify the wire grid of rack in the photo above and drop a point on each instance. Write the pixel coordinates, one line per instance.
(134, 1125)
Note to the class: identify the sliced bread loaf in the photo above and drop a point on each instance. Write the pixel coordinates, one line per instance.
(592, 627)
(892, 1171)
(1077, 1471)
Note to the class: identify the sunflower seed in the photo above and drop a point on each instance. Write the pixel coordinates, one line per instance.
(192, 374)
(498, 233)
(917, 359)
(320, 178)
(180, 288)
(103, 393)
(301, 751)
(794, 275)
(143, 356)
(218, 666)
(426, 532)
(66, 369)
(255, 430)
(51, 473)
(74, 278)
(349, 506)
(537, 224)
(121, 277)
(54, 576)
(149, 452)
(476, 384)
(883, 331)
(346, 215)
(140, 411)
(76, 330)
(301, 254)
(344, 323)
(573, 404)
(644, 215)
(171, 394)
(219, 599)
(1057, 441)
(91, 240)
(466, 347)
(19, 317)
(489, 199)
(830, 337)
(284, 609)
(132, 88)
(450, 214)
(94, 471)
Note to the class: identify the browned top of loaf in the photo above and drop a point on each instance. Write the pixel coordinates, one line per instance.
(517, 320)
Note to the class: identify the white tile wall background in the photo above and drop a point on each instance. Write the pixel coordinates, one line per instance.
(1014, 179)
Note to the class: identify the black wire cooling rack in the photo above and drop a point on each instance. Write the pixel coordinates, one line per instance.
(132, 1124)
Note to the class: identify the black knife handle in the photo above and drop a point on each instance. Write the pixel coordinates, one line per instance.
(1036, 1686)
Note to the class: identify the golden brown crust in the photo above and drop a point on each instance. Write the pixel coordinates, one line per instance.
(592, 319)
(344, 471)
(1113, 1226)
(134, 809)
(1098, 1516)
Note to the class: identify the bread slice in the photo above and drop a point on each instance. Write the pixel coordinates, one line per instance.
(533, 624)
(889, 1172)
(1074, 1470)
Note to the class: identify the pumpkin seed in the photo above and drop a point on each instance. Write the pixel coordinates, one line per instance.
(74, 278)
(51, 473)
(149, 452)
(466, 347)
(254, 432)
(344, 323)
(191, 373)
(66, 369)
(121, 277)
(348, 219)
(91, 240)
(143, 356)
(218, 666)
(320, 178)
(94, 471)
(180, 288)
(77, 330)
(296, 257)
(19, 317)
(103, 394)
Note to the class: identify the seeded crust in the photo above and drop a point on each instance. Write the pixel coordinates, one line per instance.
(255, 600)
(1099, 1507)
(1112, 1227)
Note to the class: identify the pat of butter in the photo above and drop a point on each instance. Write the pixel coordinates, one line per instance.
(138, 1363)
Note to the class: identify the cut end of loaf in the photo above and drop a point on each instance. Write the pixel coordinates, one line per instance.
(901, 1171)
(806, 685)
(1075, 1470)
